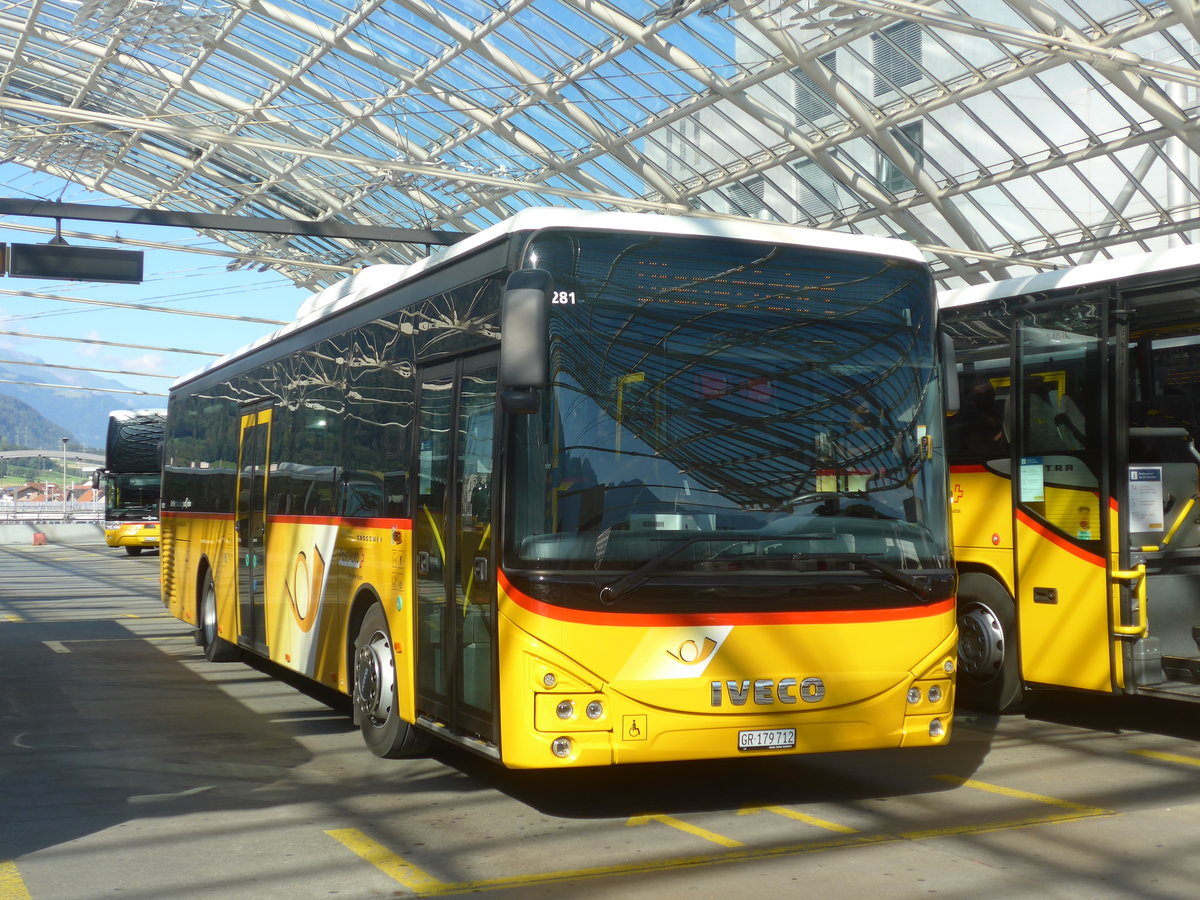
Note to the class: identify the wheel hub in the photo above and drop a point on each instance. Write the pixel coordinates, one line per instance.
(980, 642)
(208, 620)
(374, 678)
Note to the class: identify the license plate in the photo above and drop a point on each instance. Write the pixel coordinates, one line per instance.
(767, 739)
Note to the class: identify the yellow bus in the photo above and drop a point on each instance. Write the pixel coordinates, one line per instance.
(1074, 480)
(131, 477)
(586, 489)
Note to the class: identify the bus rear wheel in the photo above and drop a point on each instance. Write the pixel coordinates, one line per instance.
(989, 678)
(216, 648)
(375, 697)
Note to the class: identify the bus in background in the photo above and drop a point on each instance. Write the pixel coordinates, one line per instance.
(587, 489)
(131, 477)
(1074, 480)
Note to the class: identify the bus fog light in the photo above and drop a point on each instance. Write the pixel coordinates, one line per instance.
(565, 710)
(594, 710)
(561, 747)
(914, 695)
(935, 693)
(936, 728)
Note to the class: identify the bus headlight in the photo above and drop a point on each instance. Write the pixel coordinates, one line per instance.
(594, 710)
(914, 694)
(565, 709)
(935, 693)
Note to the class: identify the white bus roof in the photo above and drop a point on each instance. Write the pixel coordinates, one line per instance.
(122, 414)
(1075, 276)
(374, 280)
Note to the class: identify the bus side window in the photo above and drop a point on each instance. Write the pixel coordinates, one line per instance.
(979, 430)
(477, 466)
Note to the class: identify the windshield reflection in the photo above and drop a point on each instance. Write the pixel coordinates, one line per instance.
(781, 400)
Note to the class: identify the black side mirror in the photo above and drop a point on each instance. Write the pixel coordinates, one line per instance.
(524, 339)
(949, 373)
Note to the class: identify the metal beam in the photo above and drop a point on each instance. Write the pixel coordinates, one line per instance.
(128, 215)
(55, 454)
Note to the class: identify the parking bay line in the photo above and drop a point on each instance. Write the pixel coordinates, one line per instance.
(1167, 757)
(694, 830)
(799, 817)
(12, 886)
(426, 885)
(61, 646)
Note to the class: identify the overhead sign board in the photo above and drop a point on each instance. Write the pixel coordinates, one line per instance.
(63, 262)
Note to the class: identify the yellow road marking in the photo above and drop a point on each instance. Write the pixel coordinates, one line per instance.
(799, 817)
(1024, 795)
(1071, 811)
(9, 617)
(426, 885)
(395, 867)
(1167, 757)
(61, 646)
(433, 887)
(694, 830)
(12, 886)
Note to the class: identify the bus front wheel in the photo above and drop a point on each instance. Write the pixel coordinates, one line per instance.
(216, 648)
(989, 678)
(134, 551)
(375, 695)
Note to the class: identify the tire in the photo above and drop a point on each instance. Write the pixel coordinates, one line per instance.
(989, 677)
(134, 551)
(375, 699)
(216, 648)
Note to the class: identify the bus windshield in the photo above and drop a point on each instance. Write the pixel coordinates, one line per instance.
(131, 497)
(731, 407)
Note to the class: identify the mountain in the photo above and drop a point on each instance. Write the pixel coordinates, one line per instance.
(23, 427)
(80, 415)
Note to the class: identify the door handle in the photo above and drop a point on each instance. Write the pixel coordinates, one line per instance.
(482, 565)
(422, 563)
(1137, 575)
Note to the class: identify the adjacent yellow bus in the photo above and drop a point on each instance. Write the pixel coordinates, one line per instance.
(1074, 480)
(131, 476)
(587, 489)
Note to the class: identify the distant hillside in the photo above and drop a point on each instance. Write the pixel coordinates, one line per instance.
(87, 411)
(23, 427)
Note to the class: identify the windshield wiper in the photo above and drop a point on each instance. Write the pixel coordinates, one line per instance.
(639, 576)
(920, 586)
(917, 584)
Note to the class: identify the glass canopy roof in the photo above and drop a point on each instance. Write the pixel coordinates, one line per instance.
(1002, 136)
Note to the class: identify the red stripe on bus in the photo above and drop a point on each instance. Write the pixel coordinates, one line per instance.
(1058, 540)
(402, 524)
(638, 620)
(965, 469)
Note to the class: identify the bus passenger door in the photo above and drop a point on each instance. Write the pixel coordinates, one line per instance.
(455, 559)
(1160, 506)
(1059, 427)
(250, 524)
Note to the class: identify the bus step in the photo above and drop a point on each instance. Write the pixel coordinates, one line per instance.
(1182, 668)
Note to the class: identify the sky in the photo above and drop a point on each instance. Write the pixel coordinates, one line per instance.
(174, 280)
